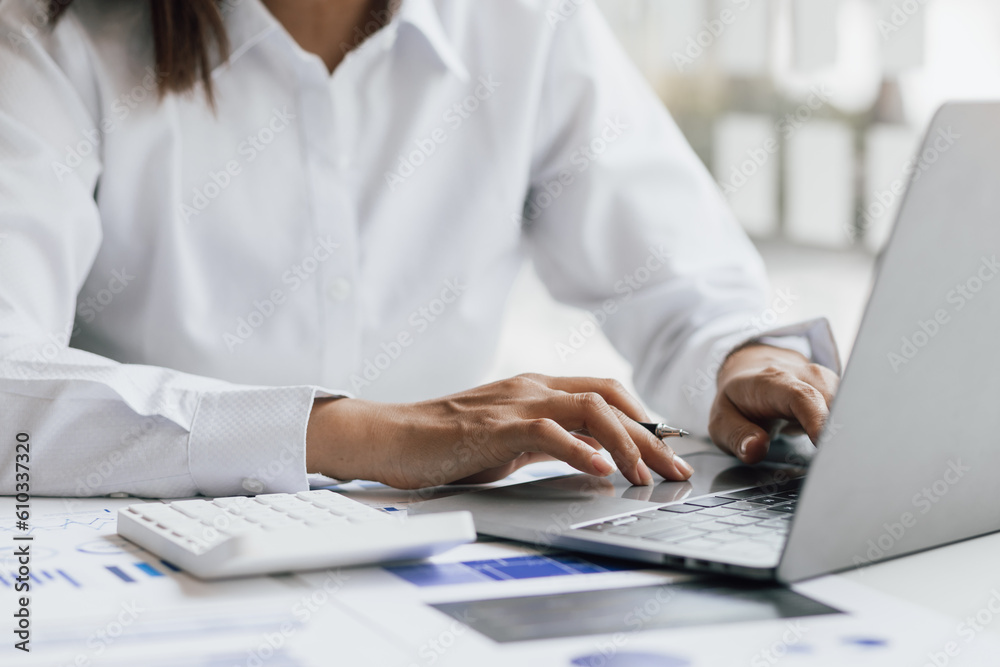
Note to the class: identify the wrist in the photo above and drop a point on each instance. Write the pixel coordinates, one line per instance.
(757, 355)
(340, 442)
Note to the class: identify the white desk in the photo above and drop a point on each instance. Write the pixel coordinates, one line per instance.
(958, 580)
(368, 616)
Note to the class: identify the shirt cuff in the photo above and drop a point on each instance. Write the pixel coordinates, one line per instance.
(251, 440)
(813, 339)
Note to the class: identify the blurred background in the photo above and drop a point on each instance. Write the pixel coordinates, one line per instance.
(809, 114)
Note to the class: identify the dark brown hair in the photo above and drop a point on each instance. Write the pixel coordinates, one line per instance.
(183, 33)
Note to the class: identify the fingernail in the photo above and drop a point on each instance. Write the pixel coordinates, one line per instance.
(683, 466)
(601, 464)
(741, 450)
(642, 472)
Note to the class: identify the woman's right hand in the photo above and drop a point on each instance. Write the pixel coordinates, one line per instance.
(484, 434)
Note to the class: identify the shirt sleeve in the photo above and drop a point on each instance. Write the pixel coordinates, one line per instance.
(97, 426)
(814, 339)
(623, 220)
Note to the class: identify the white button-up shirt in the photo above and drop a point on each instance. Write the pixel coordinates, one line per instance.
(178, 283)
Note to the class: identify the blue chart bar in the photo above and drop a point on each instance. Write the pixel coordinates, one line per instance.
(34, 578)
(47, 575)
(69, 578)
(505, 569)
(4, 581)
(149, 569)
(170, 566)
(117, 571)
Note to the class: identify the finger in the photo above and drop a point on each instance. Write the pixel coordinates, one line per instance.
(612, 391)
(823, 379)
(809, 407)
(655, 453)
(762, 398)
(583, 437)
(590, 411)
(548, 437)
(732, 432)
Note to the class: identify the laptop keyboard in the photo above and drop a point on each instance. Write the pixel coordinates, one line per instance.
(749, 522)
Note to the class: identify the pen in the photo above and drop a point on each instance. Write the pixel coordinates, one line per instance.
(662, 431)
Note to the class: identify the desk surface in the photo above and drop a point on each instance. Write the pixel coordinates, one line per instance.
(94, 581)
(958, 580)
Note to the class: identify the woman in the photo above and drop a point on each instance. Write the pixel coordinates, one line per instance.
(211, 211)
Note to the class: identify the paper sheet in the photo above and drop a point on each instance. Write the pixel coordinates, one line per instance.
(874, 630)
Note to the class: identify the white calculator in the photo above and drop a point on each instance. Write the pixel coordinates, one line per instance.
(283, 532)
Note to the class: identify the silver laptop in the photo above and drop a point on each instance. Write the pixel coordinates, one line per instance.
(912, 450)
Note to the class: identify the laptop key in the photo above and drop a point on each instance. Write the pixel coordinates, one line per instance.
(718, 511)
(713, 526)
(739, 520)
(680, 508)
(746, 493)
(695, 517)
(742, 506)
(788, 509)
(767, 500)
(711, 501)
(765, 490)
(642, 528)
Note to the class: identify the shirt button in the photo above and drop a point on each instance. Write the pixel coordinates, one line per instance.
(339, 289)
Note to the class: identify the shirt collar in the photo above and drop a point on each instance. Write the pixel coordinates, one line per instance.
(248, 22)
(424, 17)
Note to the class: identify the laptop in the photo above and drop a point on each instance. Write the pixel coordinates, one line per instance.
(911, 453)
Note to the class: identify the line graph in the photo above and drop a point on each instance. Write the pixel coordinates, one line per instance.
(96, 521)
